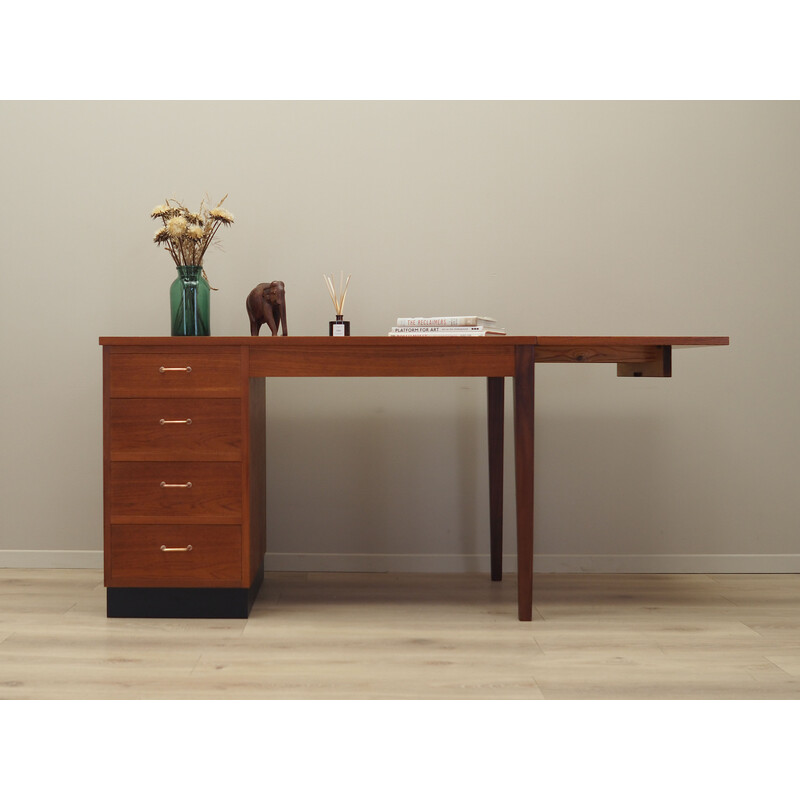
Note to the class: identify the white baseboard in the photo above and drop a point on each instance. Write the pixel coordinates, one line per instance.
(380, 562)
(51, 559)
(400, 562)
(711, 563)
(443, 562)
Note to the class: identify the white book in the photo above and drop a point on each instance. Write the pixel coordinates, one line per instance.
(416, 322)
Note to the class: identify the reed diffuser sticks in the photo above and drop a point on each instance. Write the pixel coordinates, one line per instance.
(337, 297)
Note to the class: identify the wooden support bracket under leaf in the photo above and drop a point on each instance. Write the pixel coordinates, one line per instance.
(660, 367)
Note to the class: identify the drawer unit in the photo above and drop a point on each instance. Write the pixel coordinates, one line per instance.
(176, 555)
(182, 445)
(186, 490)
(175, 429)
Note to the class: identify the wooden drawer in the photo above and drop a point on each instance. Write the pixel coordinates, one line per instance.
(201, 490)
(184, 372)
(192, 430)
(137, 557)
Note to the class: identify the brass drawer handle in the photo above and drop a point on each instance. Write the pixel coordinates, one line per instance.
(174, 369)
(174, 422)
(166, 549)
(187, 485)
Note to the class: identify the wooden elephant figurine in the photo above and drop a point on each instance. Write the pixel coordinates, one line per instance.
(267, 303)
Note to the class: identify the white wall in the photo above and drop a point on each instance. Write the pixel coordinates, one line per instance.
(558, 218)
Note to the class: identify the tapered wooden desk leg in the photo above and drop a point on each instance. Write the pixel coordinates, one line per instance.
(523, 460)
(494, 402)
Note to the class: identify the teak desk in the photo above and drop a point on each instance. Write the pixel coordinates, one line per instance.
(184, 454)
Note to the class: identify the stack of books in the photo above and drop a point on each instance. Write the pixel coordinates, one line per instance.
(446, 326)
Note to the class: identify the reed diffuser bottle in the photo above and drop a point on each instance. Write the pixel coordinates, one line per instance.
(340, 326)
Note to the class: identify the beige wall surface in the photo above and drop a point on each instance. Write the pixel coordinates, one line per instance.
(613, 218)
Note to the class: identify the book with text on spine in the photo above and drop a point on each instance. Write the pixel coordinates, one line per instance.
(449, 322)
(447, 330)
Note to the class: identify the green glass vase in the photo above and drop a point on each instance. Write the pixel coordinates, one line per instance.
(190, 303)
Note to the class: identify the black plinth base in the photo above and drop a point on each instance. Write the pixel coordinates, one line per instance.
(182, 603)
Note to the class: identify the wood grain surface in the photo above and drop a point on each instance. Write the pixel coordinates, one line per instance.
(189, 372)
(214, 434)
(137, 494)
(137, 558)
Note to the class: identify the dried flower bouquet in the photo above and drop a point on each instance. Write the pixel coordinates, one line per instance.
(187, 234)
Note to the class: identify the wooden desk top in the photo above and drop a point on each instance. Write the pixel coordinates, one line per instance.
(412, 341)
(457, 356)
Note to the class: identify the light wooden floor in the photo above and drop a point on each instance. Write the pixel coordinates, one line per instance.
(386, 636)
